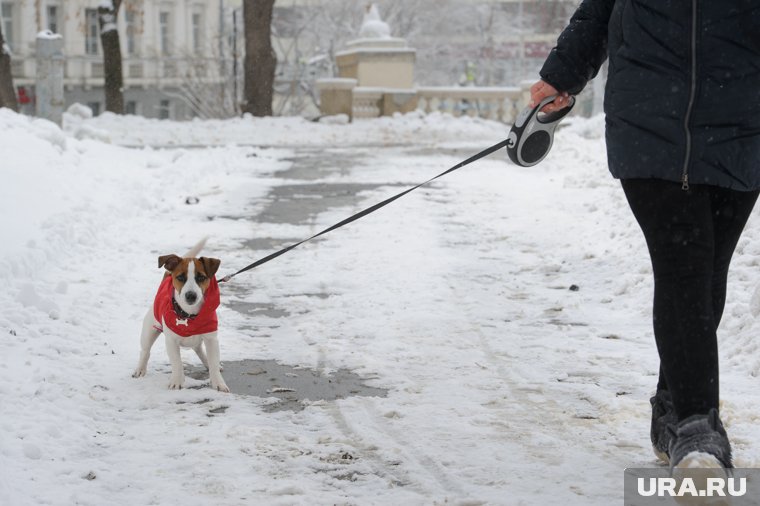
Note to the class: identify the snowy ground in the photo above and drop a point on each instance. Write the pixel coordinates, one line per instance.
(505, 386)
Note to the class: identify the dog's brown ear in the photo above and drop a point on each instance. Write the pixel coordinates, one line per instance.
(169, 261)
(211, 265)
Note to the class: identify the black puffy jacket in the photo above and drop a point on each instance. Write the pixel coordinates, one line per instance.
(682, 100)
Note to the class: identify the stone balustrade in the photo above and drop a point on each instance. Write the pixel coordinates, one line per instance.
(499, 104)
(343, 96)
(367, 102)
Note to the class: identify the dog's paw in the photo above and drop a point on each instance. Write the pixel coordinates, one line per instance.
(222, 387)
(139, 372)
(175, 384)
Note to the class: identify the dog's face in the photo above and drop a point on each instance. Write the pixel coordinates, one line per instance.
(190, 277)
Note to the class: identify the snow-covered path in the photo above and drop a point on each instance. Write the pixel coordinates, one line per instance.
(506, 311)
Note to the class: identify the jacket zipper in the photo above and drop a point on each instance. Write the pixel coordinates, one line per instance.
(692, 97)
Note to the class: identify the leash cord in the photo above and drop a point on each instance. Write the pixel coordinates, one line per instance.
(366, 211)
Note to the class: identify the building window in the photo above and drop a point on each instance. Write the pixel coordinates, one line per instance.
(6, 13)
(52, 18)
(131, 107)
(93, 31)
(95, 106)
(197, 33)
(163, 22)
(131, 23)
(164, 109)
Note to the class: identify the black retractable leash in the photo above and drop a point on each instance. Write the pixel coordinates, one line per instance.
(365, 212)
(527, 124)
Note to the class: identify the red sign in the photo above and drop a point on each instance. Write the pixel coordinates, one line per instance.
(23, 96)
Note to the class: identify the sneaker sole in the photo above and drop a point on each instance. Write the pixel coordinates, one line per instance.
(699, 460)
(699, 467)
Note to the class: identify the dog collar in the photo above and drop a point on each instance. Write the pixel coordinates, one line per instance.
(181, 313)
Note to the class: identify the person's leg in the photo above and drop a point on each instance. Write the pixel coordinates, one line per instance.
(731, 210)
(701, 440)
(691, 237)
(662, 383)
(678, 228)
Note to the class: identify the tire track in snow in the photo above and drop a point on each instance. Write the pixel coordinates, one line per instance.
(546, 415)
(411, 452)
(532, 415)
(566, 399)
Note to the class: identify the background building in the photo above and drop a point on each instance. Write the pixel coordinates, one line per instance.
(170, 50)
(183, 58)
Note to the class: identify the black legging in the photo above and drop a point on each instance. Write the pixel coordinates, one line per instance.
(691, 236)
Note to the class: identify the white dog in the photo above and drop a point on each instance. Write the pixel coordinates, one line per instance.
(185, 311)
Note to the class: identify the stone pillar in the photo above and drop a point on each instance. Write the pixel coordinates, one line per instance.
(49, 83)
(378, 63)
(336, 96)
(399, 101)
(375, 74)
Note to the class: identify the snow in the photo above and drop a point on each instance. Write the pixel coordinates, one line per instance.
(373, 27)
(108, 18)
(505, 386)
(294, 132)
(357, 47)
(80, 111)
(48, 35)
(109, 25)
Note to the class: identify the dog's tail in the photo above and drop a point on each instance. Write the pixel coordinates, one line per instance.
(193, 252)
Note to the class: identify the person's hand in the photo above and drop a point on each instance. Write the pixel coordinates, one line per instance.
(541, 90)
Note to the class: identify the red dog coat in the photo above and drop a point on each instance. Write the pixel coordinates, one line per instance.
(202, 323)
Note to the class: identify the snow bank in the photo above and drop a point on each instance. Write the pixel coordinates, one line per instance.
(414, 128)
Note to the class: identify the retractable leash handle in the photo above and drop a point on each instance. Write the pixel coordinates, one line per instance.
(532, 135)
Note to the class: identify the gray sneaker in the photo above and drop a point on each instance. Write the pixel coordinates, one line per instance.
(663, 415)
(700, 441)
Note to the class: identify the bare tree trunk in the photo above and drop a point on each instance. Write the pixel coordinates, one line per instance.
(260, 59)
(109, 39)
(7, 90)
